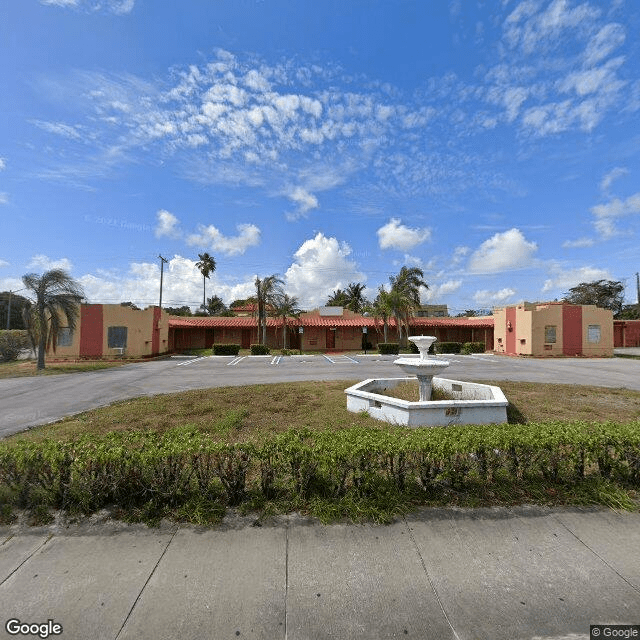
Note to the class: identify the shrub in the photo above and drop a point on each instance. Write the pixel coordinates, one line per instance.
(226, 349)
(448, 347)
(12, 342)
(260, 350)
(388, 348)
(473, 347)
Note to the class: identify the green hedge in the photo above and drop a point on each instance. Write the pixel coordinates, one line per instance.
(473, 347)
(260, 350)
(183, 464)
(448, 347)
(388, 348)
(226, 349)
(12, 342)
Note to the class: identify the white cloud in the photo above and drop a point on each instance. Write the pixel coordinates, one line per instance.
(395, 235)
(459, 254)
(502, 252)
(609, 178)
(168, 225)
(580, 243)
(436, 292)
(4, 197)
(485, 297)
(606, 214)
(320, 266)
(304, 200)
(563, 279)
(119, 7)
(3, 263)
(44, 263)
(609, 38)
(182, 285)
(211, 236)
(3, 163)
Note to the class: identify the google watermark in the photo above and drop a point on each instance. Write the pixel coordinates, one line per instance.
(46, 629)
(598, 631)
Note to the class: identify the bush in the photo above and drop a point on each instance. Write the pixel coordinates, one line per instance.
(473, 347)
(448, 347)
(154, 471)
(388, 348)
(226, 349)
(260, 350)
(12, 342)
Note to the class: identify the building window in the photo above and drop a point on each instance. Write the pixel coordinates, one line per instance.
(550, 334)
(65, 337)
(593, 335)
(117, 337)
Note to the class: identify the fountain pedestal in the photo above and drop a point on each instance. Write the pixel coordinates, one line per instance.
(424, 368)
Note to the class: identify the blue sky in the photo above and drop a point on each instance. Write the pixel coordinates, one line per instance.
(493, 144)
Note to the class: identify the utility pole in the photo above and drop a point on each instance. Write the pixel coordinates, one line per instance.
(9, 312)
(638, 288)
(162, 261)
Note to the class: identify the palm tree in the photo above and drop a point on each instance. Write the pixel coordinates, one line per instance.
(382, 309)
(355, 300)
(405, 295)
(215, 306)
(338, 298)
(57, 297)
(207, 265)
(286, 306)
(267, 292)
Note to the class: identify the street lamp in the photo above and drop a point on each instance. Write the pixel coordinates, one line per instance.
(364, 333)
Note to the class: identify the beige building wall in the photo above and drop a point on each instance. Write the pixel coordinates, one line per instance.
(597, 323)
(546, 320)
(140, 325)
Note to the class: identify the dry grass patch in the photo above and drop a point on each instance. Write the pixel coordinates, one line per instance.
(25, 368)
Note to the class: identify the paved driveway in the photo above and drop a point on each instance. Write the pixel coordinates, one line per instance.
(26, 402)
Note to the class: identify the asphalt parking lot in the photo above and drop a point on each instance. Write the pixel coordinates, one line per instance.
(28, 402)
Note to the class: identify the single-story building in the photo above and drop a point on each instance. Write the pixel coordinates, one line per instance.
(538, 329)
(110, 330)
(553, 329)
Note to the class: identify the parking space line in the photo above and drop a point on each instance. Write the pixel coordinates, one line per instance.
(235, 361)
(352, 359)
(328, 358)
(276, 360)
(188, 362)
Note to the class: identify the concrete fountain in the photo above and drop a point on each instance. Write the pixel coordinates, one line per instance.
(471, 403)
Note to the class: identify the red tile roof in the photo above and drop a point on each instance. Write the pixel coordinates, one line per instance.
(325, 321)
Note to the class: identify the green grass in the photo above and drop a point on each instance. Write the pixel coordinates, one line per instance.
(27, 368)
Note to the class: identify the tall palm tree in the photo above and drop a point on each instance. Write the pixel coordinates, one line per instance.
(405, 295)
(285, 307)
(57, 297)
(338, 298)
(268, 290)
(382, 309)
(207, 265)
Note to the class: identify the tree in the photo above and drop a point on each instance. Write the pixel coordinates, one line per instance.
(404, 296)
(356, 302)
(57, 298)
(285, 307)
(131, 305)
(215, 306)
(185, 310)
(382, 309)
(207, 265)
(15, 304)
(338, 298)
(607, 294)
(267, 292)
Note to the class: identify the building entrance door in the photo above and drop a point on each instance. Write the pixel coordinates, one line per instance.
(331, 339)
(245, 341)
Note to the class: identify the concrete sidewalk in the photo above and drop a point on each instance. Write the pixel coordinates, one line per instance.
(526, 572)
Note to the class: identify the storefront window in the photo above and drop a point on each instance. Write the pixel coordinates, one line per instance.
(550, 334)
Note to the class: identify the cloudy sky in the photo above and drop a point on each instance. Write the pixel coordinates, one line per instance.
(495, 145)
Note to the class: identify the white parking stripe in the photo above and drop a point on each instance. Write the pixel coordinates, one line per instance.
(276, 360)
(235, 361)
(184, 364)
(329, 359)
(352, 359)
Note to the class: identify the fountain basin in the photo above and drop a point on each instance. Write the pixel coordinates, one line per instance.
(473, 404)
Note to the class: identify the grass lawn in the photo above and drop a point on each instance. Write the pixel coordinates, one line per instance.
(24, 368)
(264, 409)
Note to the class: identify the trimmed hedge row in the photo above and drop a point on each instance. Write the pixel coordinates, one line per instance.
(169, 469)
(226, 349)
(388, 348)
(260, 350)
(473, 347)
